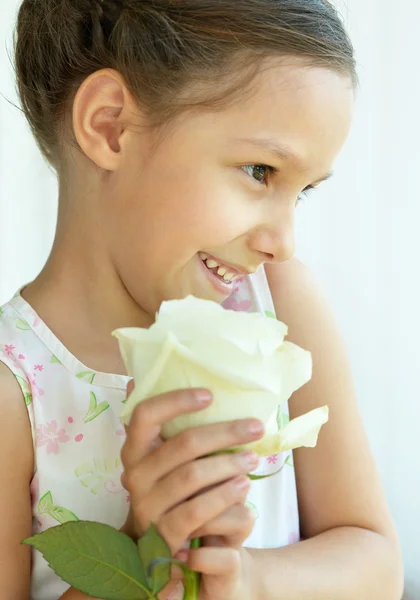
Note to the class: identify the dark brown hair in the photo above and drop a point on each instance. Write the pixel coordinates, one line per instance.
(163, 48)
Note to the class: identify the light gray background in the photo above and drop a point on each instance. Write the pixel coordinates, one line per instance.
(360, 234)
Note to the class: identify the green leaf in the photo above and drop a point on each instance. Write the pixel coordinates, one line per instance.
(22, 325)
(168, 561)
(289, 461)
(95, 559)
(26, 389)
(152, 546)
(191, 578)
(258, 477)
(55, 360)
(45, 503)
(62, 515)
(88, 375)
(95, 409)
(24, 385)
(253, 508)
(282, 418)
(270, 314)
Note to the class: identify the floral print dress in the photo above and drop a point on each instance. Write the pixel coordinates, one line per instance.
(77, 436)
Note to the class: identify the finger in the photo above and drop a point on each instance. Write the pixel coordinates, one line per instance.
(150, 414)
(177, 525)
(222, 566)
(192, 478)
(234, 526)
(202, 441)
(173, 591)
(214, 561)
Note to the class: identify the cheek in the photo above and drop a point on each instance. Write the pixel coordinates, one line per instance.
(211, 207)
(180, 209)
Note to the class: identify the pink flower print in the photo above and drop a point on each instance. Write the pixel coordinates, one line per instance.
(128, 499)
(37, 320)
(51, 436)
(39, 368)
(21, 357)
(120, 432)
(272, 460)
(113, 487)
(36, 391)
(240, 306)
(9, 349)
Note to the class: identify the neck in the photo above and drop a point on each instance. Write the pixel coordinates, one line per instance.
(81, 297)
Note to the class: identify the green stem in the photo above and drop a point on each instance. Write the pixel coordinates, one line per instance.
(192, 579)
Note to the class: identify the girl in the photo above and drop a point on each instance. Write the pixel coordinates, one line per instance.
(183, 133)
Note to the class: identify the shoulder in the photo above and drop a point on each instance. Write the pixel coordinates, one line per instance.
(298, 298)
(16, 472)
(338, 482)
(15, 427)
(302, 305)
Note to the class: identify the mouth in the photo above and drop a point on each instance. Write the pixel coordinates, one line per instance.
(220, 275)
(225, 273)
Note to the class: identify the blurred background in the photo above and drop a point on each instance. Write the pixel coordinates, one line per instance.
(360, 234)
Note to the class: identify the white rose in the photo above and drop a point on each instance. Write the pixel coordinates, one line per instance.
(241, 357)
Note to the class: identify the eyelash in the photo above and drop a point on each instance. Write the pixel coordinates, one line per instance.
(269, 171)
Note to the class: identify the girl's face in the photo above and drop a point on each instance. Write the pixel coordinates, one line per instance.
(222, 187)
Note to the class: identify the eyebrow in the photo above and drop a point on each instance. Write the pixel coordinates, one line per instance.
(281, 153)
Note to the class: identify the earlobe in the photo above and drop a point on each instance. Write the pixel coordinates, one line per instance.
(97, 118)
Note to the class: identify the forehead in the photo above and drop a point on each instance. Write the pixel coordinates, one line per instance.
(305, 110)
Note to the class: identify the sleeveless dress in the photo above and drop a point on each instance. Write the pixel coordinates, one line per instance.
(77, 436)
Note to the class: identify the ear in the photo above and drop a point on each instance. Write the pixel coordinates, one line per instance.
(101, 110)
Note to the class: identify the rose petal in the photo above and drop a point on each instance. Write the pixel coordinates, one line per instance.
(196, 319)
(242, 358)
(235, 395)
(302, 431)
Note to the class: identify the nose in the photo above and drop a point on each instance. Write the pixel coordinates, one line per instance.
(275, 238)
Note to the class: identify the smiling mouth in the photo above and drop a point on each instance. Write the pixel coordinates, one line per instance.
(223, 272)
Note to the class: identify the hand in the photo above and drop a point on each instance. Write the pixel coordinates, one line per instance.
(186, 495)
(227, 568)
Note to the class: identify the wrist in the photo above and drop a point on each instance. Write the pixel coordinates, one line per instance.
(253, 578)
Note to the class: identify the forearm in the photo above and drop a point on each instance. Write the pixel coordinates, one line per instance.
(341, 564)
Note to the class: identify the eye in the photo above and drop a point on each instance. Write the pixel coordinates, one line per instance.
(305, 193)
(260, 173)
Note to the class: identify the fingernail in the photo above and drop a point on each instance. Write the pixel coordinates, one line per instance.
(241, 484)
(255, 428)
(182, 556)
(203, 396)
(249, 459)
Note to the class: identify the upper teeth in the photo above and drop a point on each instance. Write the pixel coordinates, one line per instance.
(222, 271)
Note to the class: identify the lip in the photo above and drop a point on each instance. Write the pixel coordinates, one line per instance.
(224, 289)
